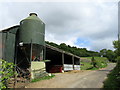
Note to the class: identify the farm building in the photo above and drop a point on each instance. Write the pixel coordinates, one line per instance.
(24, 45)
(60, 60)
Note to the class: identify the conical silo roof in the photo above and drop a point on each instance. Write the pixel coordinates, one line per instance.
(32, 16)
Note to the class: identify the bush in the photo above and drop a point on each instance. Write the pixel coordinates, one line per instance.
(94, 63)
(99, 63)
(118, 62)
(7, 72)
(113, 80)
(43, 78)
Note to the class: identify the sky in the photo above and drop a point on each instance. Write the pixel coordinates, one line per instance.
(91, 24)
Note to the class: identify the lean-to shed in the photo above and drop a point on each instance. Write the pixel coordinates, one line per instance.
(60, 60)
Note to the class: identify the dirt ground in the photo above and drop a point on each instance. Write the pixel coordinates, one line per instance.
(75, 79)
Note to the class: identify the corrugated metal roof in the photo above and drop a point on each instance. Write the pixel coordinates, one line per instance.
(62, 51)
(11, 29)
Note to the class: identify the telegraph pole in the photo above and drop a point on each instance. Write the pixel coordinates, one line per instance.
(119, 28)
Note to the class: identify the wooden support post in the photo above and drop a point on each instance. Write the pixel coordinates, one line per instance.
(31, 47)
(44, 52)
(79, 61)
(63, 59)
(73, 61)
(79, 64)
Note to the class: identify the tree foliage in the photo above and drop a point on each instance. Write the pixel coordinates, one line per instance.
(93, 62)
(113, 80)
(116, 45)
(82, 52)
(6, 72)
(103, 52)
(111, 55)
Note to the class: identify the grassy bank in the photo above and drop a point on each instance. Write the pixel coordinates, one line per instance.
(43, 78)
(86, 63)
(113, 80)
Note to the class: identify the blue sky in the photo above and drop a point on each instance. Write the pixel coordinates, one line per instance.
(90, 24)
(83, 42)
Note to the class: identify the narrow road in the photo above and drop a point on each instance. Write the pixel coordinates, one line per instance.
(76, 79)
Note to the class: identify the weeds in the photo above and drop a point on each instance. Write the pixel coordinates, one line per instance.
(43, 78)
(113, 80)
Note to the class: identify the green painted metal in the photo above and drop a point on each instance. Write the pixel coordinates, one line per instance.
(10, 47)
(8, 43)
(1, 46)
(32, 29)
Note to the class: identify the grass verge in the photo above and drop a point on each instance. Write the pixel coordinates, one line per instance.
(113, 80)
(43, 78)
(86, 64)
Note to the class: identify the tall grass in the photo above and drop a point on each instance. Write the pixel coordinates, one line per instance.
(101, 62)
(43, 78)
(113, 80)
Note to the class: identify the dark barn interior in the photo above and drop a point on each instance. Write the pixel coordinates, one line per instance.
(23, 57)
(68, 59)
(59, 59)
(76, 61)
(55, 58)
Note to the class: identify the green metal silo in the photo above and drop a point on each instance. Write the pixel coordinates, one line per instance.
(32, 29)
(30, 45)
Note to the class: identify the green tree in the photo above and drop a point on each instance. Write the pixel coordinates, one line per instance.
(103, 52)
(82, 52)
(111, 56)
(113, 80)
(63, 46)
(94, 62)
(116, 45)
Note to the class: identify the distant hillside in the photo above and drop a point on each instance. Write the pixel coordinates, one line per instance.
(82, 52)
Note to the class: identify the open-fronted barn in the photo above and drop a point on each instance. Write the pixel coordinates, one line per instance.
(60, 60)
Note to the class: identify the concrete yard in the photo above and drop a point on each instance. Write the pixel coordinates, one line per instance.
(76, 79)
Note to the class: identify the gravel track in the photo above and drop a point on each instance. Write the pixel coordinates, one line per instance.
(76, 79)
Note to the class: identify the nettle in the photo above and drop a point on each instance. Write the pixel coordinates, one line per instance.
(6, 72)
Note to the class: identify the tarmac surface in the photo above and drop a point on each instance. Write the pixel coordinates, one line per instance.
(76, 79)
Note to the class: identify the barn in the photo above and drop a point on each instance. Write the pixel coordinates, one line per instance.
(24, 45)
(60, 60)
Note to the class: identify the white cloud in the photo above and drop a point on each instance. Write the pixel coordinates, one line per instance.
(101, 44)
(99, 1)
(68, 21)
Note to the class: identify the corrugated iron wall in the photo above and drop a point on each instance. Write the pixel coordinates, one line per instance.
(7, 44)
